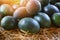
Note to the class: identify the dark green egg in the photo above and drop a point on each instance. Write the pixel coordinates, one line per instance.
(57, 4)
(29, 25)
(43, 19)
(56, 19)
(8, 23)
(51, 9)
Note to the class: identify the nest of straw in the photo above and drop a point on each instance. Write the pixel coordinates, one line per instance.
(44, 34)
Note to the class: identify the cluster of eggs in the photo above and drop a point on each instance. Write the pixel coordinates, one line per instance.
(30, 15)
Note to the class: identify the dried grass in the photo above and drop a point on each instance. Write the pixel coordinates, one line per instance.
(44, 34)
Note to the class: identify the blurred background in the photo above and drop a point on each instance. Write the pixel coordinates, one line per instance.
(11, 2)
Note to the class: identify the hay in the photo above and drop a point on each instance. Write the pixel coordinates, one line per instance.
(44, 34)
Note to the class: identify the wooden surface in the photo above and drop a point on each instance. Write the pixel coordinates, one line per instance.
(44, 34)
